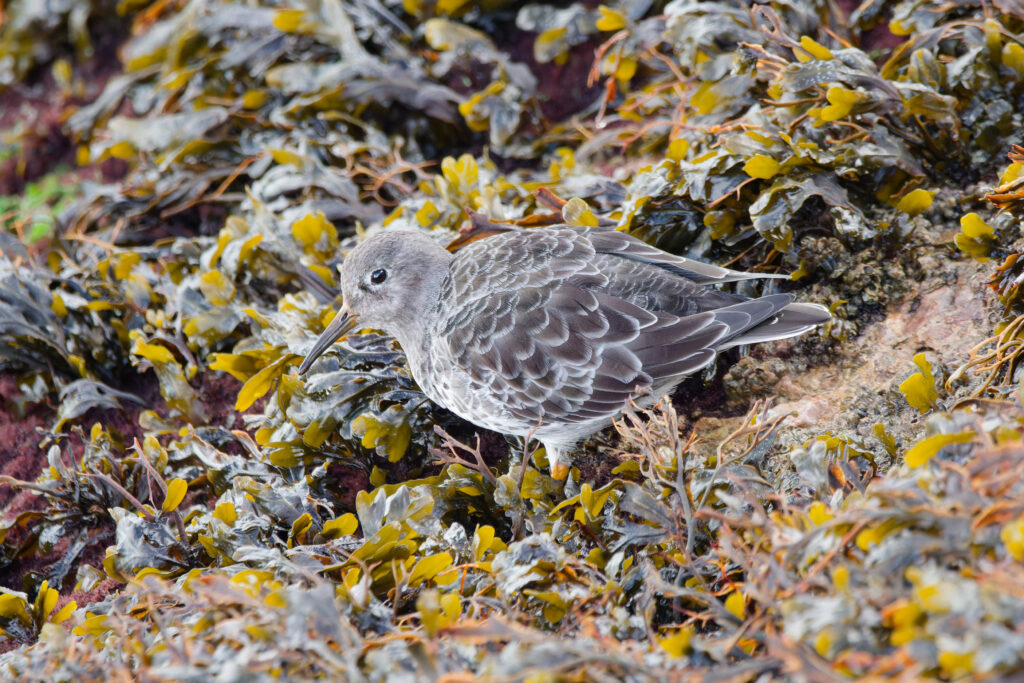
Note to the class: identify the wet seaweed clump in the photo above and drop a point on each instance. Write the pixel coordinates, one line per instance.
(180, 503)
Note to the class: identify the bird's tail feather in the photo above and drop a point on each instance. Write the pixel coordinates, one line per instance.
(791, 321)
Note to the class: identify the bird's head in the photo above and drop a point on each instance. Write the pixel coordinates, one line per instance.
(389, 282)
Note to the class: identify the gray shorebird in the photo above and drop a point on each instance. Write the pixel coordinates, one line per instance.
(550, 331)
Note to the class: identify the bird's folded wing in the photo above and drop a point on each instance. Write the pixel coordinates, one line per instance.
(549, 340)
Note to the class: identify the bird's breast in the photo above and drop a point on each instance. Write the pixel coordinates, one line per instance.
(442, 378)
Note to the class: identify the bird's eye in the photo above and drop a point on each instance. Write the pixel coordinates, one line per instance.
(378, 276)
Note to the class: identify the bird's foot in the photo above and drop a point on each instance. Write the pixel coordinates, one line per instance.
(559, 471)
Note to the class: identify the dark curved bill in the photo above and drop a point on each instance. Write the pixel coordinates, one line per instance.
(342, 323)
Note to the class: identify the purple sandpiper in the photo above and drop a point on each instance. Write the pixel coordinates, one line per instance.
(551, 331)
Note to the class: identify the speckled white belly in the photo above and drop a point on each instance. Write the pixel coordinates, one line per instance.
(455, 390)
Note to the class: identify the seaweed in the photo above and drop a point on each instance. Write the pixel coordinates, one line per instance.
(200, 510)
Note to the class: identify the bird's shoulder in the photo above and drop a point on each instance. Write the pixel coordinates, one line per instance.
(516, 259)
